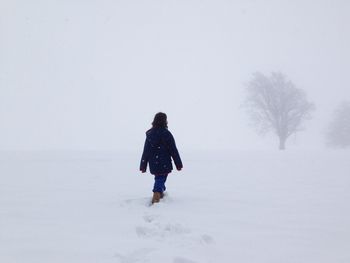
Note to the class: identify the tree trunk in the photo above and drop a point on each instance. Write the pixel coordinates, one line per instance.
(282, 146)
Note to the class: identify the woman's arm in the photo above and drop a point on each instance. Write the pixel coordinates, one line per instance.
(145, 156)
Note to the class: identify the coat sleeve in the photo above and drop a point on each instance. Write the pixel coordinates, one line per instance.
(170, 143)
(145, 156)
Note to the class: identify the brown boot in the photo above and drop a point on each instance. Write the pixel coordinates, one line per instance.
(156, 197)
(161, 195)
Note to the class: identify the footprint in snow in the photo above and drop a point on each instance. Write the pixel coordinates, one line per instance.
(156, 228)
(149, 218)
(206, 239)
(161, 231)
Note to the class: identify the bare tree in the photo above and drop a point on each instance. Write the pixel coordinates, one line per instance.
(274, 103)
(338, 134)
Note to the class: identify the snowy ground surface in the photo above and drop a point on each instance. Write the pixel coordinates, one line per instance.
(244, 207)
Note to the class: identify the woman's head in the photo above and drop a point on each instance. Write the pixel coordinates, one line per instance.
(160, 120)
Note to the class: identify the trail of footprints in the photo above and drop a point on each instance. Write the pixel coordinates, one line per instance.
(174, 234)
(157, 228)
(154, 228)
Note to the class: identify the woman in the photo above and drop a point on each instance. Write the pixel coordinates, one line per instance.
(159, 148)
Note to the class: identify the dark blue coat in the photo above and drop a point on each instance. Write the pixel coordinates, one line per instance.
(159, 148)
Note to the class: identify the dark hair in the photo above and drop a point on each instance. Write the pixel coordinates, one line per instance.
(160, 120)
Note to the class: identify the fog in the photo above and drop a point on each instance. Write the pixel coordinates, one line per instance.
(90, 75)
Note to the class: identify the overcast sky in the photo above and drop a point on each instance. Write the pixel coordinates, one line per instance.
(90, 75)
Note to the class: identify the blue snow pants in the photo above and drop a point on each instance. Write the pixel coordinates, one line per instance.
(159, 183)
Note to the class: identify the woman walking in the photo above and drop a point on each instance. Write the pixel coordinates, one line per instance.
(158, 151)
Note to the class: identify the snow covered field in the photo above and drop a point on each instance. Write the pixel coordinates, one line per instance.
(244, 207)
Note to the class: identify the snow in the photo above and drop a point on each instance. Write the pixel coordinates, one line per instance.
(241, 207)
